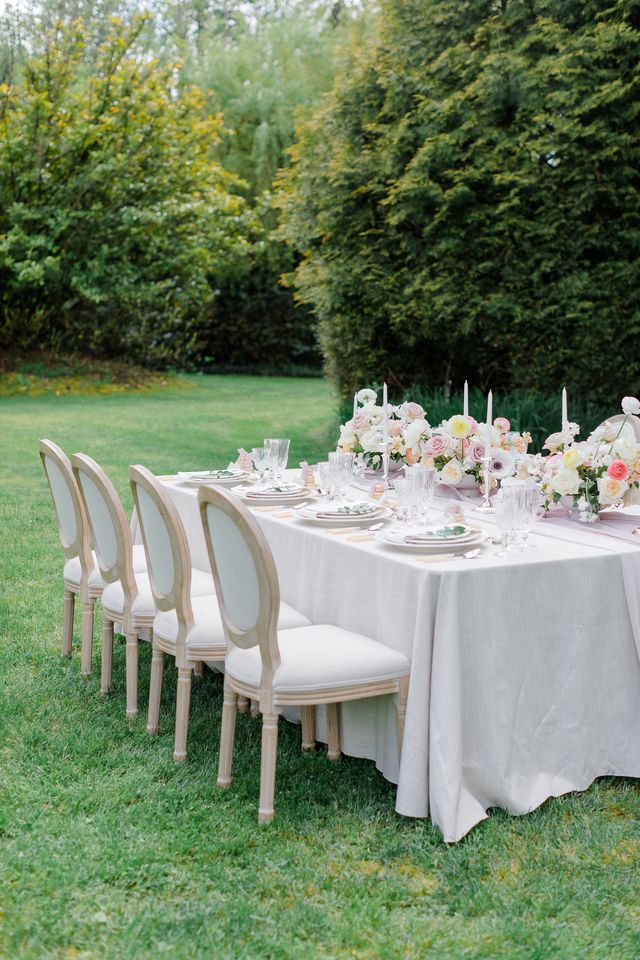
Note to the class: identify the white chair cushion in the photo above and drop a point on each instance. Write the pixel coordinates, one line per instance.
(207, 630)
(72, 571)
(143, 605)
(320, 657)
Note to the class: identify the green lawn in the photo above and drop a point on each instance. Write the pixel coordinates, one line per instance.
(109, 850)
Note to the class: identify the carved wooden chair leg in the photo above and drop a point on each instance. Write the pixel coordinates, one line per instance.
(243, 704)
(268, 766)
(308, 723)
(107, 655)
(333, 731)
(227, 735)
(87, 637)
(67, 627)
(131, 654)
(401, 710)
(183, 698)
(155, 689)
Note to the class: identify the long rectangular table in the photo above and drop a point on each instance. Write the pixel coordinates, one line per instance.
(525, 671)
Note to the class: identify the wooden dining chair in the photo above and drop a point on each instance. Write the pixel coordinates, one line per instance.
(631, 427)
(81, 575)
(126, 598)
(307, 666)
(186, 626)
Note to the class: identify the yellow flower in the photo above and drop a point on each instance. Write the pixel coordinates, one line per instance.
(572, 459)
(459, 427)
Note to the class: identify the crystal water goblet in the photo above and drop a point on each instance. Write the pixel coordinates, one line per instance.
(279, 453)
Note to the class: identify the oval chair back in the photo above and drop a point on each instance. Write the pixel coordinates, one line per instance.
(631, 428)
(245, 578)
(110, 530)
(166, 548)
(70, 516)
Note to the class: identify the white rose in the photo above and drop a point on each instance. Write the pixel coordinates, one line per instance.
(366, 396)
(413, 431)
(566, 483)
(611, 490)
(631, 406)
(626, 448)
(451, 473)
(371, 441)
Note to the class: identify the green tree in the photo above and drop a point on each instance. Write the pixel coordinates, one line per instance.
(114, 213)
(466, 200)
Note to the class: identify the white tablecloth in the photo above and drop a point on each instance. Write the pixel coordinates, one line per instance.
(525, 678)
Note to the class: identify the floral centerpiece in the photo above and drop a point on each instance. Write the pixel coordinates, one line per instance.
(457, 448)
(603, 470)
(408, 431)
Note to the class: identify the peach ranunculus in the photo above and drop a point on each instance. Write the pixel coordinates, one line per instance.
(618, 470)
(611, 490)
(411, 456)
(502, 424)
(520, 444)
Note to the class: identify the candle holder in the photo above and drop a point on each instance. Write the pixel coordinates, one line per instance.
(486, 505)
(388, 485)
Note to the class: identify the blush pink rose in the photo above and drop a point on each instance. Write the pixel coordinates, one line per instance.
(413, 411)
(360, 422)
(395, 428)
(477, 451)
(618, 470)
(502, 424)
(474, 424)
(435, 447)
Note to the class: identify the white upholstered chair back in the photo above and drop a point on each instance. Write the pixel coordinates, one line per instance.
(110, 530)
(245, 577)
(165, 544)
(631, 428)
(69, 511)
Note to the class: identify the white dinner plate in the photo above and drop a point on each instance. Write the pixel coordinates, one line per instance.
(390, 538)
(198, 478)
(260, 498)
(310, 515)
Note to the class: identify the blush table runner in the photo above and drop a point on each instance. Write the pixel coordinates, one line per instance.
(525, 676)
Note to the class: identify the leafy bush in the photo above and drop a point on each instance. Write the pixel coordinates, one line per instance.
(466, 201)
(113, 210)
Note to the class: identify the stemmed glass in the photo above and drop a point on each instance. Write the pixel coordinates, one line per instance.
(278, 451)
(423, 480)
(408, 494)
(260, 457)
(526, 497)
(505, 508)
(340, 471)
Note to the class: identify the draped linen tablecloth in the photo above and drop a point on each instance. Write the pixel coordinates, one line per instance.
(525, 676)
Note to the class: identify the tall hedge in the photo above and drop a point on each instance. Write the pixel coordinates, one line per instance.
(466, 201)
(115, 217)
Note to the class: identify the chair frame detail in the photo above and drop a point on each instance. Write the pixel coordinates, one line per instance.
(122, 569)
(79, 547)
(264, 634)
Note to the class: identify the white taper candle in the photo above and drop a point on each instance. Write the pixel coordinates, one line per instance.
(385, 417)
(465, 403)
(489, 432)
(355, 403)
(565, 418)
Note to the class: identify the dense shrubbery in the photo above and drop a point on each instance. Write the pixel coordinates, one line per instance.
(467, 201)
(113, 211)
